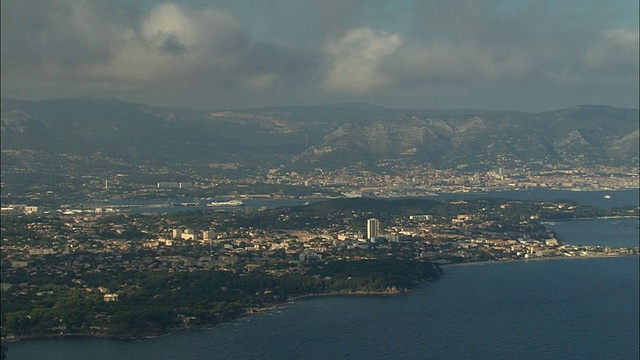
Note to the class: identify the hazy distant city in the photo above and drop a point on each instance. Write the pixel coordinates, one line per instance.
(315, 151)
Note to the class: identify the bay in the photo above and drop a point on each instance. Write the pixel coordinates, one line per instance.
(551, 309)
(603, 199)
(599, 232)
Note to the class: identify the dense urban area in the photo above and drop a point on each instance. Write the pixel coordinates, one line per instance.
(391, 178)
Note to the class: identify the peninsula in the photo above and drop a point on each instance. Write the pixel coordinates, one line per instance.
(136, 275)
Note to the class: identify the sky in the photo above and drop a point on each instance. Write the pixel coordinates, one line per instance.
(520, 55)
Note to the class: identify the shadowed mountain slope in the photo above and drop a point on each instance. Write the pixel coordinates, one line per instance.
(320, 136)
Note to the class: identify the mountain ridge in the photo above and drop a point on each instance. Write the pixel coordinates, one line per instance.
(333, 135)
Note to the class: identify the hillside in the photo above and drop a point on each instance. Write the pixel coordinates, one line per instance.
(316, 136)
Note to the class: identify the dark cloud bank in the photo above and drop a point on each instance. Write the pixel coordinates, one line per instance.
(404, 54)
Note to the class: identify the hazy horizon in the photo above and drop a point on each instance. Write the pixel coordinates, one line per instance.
(303, 105)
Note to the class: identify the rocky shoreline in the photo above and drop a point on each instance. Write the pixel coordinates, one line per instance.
(290, 301)
(249, 311)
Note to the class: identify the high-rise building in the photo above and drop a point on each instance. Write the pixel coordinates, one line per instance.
(207, 235)
(373, 228)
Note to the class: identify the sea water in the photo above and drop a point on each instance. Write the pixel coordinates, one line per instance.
(550, 309)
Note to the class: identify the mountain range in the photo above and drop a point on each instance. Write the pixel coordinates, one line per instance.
(330, 136)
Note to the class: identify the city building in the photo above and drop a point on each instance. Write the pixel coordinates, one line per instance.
(373, 228)
(188, 234)
(110, 297)
(207, 235)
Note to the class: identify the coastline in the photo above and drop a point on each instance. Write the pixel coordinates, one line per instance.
(448, 303)
(591, 218)
(291, 301)
(536, 259)
(247, 312)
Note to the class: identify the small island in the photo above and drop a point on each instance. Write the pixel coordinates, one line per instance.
(139, 275)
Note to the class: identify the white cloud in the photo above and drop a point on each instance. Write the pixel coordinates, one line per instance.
(614, 49)
(449, 62)
(78, 50)
(175, 42)
(260, 81)
(196, 55)
(356, 59)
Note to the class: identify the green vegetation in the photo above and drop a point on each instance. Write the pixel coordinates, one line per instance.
(151, 303)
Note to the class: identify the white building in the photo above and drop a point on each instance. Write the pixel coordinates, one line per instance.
(421, 217)
(110, 297)
(188, 234)
(373, 228)
(207, 235)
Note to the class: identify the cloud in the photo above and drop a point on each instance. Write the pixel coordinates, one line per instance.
(82, 48)
(236, 54)
(56, 34)
(442, 61)
(173, 43)
(617, 49)
(356, 59)
(469, 41)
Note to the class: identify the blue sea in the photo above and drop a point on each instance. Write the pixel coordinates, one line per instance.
(540, 309)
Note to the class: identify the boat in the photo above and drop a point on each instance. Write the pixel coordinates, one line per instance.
(226, 203)
(607, 196)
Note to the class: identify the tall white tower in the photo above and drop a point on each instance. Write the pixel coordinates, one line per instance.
(373, 228)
